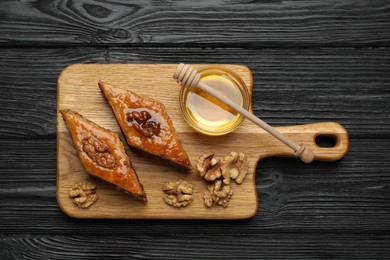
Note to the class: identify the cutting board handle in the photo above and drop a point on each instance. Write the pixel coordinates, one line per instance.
(307, 134)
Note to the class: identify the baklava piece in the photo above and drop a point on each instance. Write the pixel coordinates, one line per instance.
(146, 125)
(102, 153)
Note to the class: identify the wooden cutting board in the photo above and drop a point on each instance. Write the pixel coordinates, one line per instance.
(78, 90)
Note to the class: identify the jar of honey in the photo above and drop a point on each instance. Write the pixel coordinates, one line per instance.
(205, 113)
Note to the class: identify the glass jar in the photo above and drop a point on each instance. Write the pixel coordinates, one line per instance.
(208, 115)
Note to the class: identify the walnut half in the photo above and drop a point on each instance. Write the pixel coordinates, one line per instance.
(209, 167)
(234, 166)
(143, 123)
(98, 152)
(217, 193)
(178, 193)
(83, 194)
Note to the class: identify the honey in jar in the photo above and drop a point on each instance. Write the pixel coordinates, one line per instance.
(205, 113)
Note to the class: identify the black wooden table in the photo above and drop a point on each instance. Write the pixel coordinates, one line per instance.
(312, 61)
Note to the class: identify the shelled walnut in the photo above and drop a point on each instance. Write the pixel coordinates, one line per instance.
(83, 194)
(141, 121)
(209, 167)
(98, 152)
(217, 193)
(178, 193)
(234, 166)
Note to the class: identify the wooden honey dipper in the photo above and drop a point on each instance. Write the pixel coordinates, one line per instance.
(188, 77)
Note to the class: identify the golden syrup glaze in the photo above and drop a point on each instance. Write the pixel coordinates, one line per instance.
(122, 175)
(166, 144)
(154, 117)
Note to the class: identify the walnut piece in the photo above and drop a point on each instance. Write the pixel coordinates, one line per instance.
(140, 117)
(178, 193)
(83, 194)
(234, 166)
(209, 167)
(141, 121)
(98, 152)
(217, 193)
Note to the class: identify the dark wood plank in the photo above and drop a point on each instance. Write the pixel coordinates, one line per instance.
(235, 23)
(351, 195)
(174, 245)
(291, 86)
(28, 92)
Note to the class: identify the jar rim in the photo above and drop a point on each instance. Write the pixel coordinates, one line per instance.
(238, 83)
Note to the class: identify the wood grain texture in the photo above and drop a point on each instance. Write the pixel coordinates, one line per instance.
(355, 80)
(234, 23)
(349, 196)
(321, 210)
(170, 245)
(78, 91)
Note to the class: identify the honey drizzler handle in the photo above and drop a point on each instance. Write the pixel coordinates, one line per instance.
(188, 77)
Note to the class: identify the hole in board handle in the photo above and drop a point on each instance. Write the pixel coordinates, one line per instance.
(326, 141)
